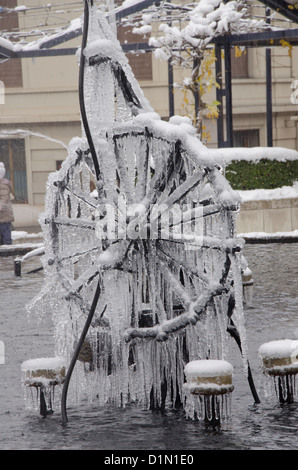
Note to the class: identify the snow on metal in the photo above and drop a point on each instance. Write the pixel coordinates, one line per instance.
(144, 218)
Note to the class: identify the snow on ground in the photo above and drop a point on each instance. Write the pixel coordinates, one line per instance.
(22, 239)
(255, 154)
(285, 192)
(265, 235)
(20, 234)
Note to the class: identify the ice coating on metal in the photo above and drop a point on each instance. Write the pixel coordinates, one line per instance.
(156, 230)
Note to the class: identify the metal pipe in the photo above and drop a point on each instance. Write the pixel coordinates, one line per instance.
(76, 353)
(17, 267)
(235, 334)
(269, 90)
(94, 156)
(171, 90)
(269, 98)
(219, 96)
(81, 91)
(228, 88)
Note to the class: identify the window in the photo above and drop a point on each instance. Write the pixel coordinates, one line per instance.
(239, 63)
(11, 69)
(58, 164)
(12, 154)
(141, 63)
(246, 138)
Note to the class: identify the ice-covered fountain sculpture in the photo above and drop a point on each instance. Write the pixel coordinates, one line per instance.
(142, 265)
(280, 363)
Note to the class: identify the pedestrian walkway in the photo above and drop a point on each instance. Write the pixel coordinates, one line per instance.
(23, 241)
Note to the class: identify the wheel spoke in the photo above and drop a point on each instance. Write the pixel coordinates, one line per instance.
(79, 223)
(83, 197)
(123, 161)
(143, 171)
(84, 279)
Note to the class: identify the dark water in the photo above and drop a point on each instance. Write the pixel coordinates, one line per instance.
(266, 426)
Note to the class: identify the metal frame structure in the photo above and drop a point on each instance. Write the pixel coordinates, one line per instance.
(176, 287)
(266, 39)
(46, 47)
(225, 44)
(283, 7)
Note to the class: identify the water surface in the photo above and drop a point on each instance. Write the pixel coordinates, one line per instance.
(266, 426)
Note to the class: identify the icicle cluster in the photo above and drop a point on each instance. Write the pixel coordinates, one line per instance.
(42, 381)
(280, 364)
(156, 230)
(209, 408)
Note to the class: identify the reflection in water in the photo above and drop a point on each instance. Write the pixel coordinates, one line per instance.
(269, 425)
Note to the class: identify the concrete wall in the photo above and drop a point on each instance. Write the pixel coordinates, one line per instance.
(280, 215)
(26, 215)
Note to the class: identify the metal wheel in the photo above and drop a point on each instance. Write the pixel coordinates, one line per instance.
(143, 216)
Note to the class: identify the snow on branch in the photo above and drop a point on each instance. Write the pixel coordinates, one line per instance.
(205, 21)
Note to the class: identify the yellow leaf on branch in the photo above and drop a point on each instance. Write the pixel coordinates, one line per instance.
(238, 51)
(287, 44)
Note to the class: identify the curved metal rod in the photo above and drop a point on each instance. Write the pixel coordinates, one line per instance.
(81, 90)
(96, 167)
(235, 334)
(76, 353)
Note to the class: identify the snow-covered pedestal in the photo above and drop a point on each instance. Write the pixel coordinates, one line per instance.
(280, 361)
(43, 375)
(209, 377)
(280, 357)
(210, 380)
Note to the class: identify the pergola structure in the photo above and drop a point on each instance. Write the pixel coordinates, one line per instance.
(46, 48)
(268, 39)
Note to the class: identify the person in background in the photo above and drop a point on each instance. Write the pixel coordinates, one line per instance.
(6, 211)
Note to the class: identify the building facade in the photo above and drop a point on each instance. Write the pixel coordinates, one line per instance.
(39, 105)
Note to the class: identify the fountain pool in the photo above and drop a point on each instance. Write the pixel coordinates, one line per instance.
(265, 426)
